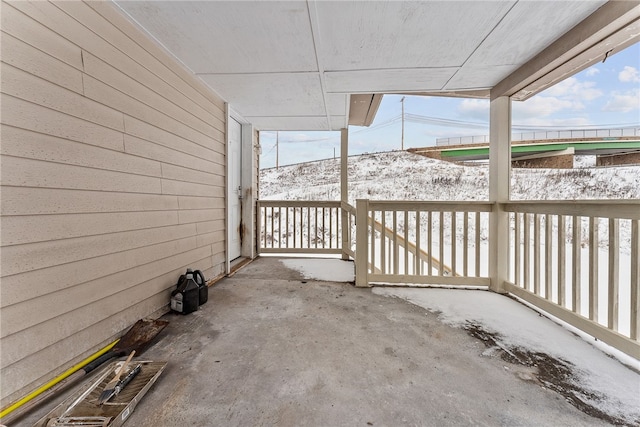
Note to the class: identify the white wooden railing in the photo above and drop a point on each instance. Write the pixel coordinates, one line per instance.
(579, 262)
(289, 226)
(422, 243)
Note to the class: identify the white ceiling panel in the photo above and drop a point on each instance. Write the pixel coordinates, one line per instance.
(387, 81)
(529, 25)
(231, 36)
(363, 35)
(478, 77)
(337, 103)
(289, 123)
(286, 94)
(291, 65)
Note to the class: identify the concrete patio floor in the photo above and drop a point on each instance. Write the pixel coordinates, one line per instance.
(271, 348)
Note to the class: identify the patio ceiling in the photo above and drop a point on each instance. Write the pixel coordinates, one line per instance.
(293, 65)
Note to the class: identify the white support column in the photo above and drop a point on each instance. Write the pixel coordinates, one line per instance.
(344, 188)
(499, 185)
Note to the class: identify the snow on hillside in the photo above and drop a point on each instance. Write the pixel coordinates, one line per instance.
(403, 176)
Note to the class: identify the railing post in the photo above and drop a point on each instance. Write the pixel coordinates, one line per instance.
(499, 185)
(344, 190)
(258, 227)
(362, 242)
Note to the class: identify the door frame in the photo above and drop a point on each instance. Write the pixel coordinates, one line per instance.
(248, 179)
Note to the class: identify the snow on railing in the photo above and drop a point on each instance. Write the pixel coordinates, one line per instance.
(579, 261)
(422, 243)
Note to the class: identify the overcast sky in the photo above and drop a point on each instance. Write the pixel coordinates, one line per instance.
(605, 95)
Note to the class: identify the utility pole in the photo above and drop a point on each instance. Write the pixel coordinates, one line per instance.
(402, 140)
(277, 149)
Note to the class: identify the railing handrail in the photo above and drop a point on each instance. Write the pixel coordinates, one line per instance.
(299, 203)
(622, 209)
(434, 206)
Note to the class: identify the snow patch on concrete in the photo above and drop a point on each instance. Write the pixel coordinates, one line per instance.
(329, 270)
(615, 387)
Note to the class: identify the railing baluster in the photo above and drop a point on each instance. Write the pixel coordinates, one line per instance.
(465, 244)
(593, 268)
(441, 260)
(478, 252)
(418, 266)
(288, 224)
(273, 233)
(614, 264)
(635, 280)
(279, 226)
(383, 243)
(527, 252)
(372, 220)
(547, 257)
(309, 227)
(562, 271)
(430, 243)
(331, 210)
(454, 243)
(396, 261)
(536, 254)
(516, 243)
(406, 242)
(576, 266)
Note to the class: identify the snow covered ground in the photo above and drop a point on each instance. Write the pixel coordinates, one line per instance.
(400, 175)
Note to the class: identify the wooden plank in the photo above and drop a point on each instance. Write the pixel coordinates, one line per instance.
(43, 201)
(200, 215)
(18, 142)
(27, 58)
(102, 93)
(25, 28)
(547, 257)
(516, 257)
(593, 268)
(26, 115)
(396, 246)
(562, 261)
(28, 87)
(23, 258)
(178, 173)
(299, 203)
(115, 78)
(429, 280)
(31, 312)
(372, 220)
(478, 242)
(614, 274)
(48, 333)
(622, 343)
(465, 244)
(22, 172)
(181, 188)
(576, 265)
(180, 78)
(441, 255)
(634, 318)
(536, 254)
(18, 230)
(622, 209)
(304, 250)
(454, 242)
(417, 269)
(403, 205)
(210, 238)
(406, 239)
(194, 202)
(149, 150)
(15, 288)
(383, 241)
(215, 152)
(527, 252)
(209, 226)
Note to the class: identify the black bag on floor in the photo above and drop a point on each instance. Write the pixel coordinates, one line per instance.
(186, 297)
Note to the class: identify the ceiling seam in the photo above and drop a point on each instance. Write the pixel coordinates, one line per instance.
(315, 35)
(481, 43)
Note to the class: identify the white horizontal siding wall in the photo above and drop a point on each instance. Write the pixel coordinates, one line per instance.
(113, 181)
